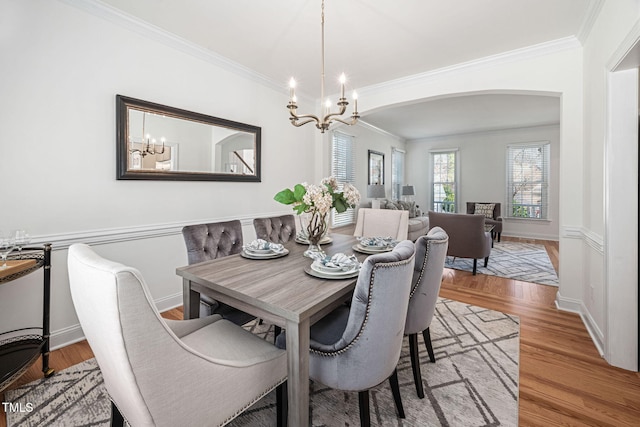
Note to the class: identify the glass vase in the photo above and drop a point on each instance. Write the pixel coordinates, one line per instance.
(316, 228)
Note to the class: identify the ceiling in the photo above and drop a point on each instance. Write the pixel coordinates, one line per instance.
(374, 41)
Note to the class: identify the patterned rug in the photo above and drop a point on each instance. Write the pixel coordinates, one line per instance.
(474, 382)
(527, 262)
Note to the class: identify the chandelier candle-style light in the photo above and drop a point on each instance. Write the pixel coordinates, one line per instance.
(326, 117)
(148, 145)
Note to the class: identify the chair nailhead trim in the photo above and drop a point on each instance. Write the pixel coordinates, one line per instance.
(245, 407)
(424, 264)
(366, 316)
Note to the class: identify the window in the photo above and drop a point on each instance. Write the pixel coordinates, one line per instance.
(528, 180)
(445, 183)
(397, 173)
(343, 167)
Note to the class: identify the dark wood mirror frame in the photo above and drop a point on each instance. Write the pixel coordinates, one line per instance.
(124, 104)
(375, 170)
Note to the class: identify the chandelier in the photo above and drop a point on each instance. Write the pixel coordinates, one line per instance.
(148, 145)
(327, 117)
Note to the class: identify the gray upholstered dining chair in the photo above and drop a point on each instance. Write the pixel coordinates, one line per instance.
(161, 372)
(277, 229)
(431, 252)
(357, 347)
(211, 241)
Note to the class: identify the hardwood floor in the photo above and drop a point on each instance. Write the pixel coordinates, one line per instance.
(563, 379)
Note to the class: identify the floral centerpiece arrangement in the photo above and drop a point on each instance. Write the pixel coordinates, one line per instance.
(317, 201)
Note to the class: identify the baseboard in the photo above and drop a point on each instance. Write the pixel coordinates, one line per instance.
(64, 337)
(578, 307)
(73, 334)
(594, 331)
(568, 304)
(534, 236)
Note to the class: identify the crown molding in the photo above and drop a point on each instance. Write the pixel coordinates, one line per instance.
(626, 55)
(376, 129)
(124, 20)
(529, 52)
(593, 10)
(145, 29)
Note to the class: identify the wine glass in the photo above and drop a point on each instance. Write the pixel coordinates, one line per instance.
(7, 243)
(22, 239)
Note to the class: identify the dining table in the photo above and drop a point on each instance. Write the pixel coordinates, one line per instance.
(282, 291)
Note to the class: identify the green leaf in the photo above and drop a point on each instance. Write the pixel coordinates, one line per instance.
(298, 192)
(285, 197)
(340, 205)
(299, 209)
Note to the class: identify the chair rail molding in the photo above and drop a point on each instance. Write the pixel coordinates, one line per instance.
(62, 241)
(595, 241)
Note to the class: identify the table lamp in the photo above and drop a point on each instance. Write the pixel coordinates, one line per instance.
(408, 192)
(375, 192)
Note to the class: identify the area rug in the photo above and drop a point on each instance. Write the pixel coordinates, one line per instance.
(474, 382)
(527, 262)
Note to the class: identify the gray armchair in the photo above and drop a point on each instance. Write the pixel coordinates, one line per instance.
(358, 347)
(494, 218)
(211, 241)
(431, 251)
(467, 236)
(167, 373)
(278, 229)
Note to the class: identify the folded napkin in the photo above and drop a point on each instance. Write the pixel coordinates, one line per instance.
(378, 242)
(340, 261)
(260, 244)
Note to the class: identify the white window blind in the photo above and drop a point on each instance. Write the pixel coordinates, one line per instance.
(528, 180)
(343, 167)
(444, 194)
(397, 173)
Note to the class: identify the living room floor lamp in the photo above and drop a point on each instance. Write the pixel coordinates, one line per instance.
(375, 192)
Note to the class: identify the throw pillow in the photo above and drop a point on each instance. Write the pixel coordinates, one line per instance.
(485, 209)
(391, 205)
(407, 206)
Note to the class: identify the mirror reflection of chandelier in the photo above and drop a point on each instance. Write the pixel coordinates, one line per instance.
(327, 117)
(148, 145)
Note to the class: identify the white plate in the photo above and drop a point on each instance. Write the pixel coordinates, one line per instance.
(370, 249)
(325, 240)
(322, 275)
(259, 251)
(316, 266)
(269, 255)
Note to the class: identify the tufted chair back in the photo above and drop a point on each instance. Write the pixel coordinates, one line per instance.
(210, 241)
(277, 229)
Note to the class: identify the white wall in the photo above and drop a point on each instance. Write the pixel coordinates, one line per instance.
(609, 299)
(61, 70)
(483, 173)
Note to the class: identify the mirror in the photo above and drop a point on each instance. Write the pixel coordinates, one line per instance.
(165, 143)
(376, 168)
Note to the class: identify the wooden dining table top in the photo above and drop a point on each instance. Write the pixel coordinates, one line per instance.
(279, 286)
